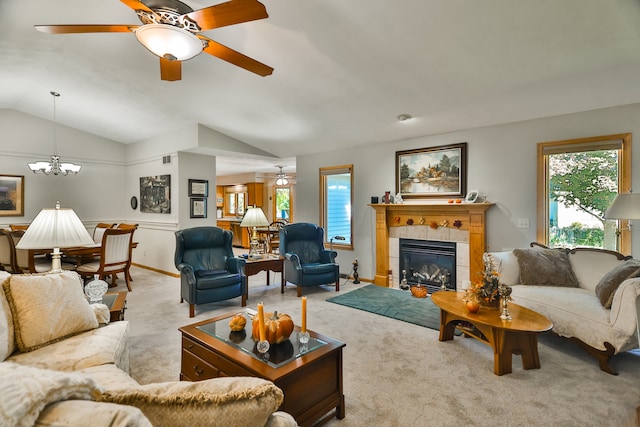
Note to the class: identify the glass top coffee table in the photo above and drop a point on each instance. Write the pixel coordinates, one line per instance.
(309, 375)
(278, 354)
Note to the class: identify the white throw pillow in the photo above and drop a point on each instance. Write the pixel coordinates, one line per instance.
(26, 391)
(7, 340)
(47, 308)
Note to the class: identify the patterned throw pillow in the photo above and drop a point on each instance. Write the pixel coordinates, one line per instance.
(545, 267)
(608, 285)
(47, 308)
(223, 402)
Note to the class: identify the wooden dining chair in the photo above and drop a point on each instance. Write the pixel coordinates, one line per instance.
(99, 230)
(18, 227)
(7, 252)
(274, 237)
(125, 226)
(30, 260)
(115, 257)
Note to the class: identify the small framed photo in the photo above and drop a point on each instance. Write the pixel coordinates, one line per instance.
(472, 196)
(11, 195)
(198, 207)
(198, 188)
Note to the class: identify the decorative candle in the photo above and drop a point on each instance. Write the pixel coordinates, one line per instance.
(303, 327)
(261, 321)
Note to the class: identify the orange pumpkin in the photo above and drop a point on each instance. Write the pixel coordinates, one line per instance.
(237, 322)
(278, 327)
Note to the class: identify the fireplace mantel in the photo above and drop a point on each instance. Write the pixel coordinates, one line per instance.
(462, 216)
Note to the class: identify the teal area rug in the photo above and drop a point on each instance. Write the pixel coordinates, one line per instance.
(392, 303)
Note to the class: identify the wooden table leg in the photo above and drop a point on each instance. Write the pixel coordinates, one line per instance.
(447, 327)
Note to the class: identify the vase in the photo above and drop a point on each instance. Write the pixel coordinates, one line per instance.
(490, 304)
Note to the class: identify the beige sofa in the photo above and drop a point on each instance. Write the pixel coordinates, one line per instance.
(63, 364)
(590, 295)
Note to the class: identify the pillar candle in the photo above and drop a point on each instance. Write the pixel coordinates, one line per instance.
(303, 327)
(261, 321)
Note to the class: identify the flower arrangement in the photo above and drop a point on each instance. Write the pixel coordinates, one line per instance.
(486, 288)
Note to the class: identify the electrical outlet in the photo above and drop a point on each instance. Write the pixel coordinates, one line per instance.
(523, 222)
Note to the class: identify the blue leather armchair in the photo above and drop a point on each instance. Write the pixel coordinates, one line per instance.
(306, 261)
(209, 272)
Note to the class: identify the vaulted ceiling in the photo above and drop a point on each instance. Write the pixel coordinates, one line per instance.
(343, 70)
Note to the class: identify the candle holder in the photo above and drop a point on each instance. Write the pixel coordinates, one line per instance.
(262, 347)
(303, 337)
(505, 297)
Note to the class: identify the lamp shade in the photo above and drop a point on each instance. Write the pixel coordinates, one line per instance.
(254, 218)
(55, 228)
(624, 206)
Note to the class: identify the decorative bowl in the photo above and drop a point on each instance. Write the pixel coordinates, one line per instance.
(419, 291)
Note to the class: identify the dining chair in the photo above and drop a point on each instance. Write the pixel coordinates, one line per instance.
(7, 252)
(274, 235)
(99, 230)
(17, 227)
(125, 226)
(115, 257)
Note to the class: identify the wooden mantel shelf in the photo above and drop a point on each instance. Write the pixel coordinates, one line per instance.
(463, 216)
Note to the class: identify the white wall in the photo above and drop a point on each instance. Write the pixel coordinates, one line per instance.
(501, 163)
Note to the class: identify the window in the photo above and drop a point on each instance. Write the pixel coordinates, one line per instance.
(577, 181)
(282, 204)
(336, 200)
(236, 200)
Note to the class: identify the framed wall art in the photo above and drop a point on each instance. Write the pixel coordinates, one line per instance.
(155, 194)
(432, 172)
(198, 188)
(198, 207)
(11, 195)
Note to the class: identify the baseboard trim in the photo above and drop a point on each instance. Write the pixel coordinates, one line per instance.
(157, 270)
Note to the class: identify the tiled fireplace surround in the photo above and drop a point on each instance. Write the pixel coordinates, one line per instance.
(440, 221)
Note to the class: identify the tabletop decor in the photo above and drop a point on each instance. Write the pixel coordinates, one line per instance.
(486, 288)
(274, 328)
(303, 335)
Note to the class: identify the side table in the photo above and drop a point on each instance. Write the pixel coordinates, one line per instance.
(266, 263)
(116, 301)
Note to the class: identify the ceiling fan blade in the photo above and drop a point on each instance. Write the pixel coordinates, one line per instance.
(137, 5)
(170, 70)
(69, 29)
(236, 58)
(229, 13)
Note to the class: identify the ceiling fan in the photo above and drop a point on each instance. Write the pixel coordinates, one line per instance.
(170, 29)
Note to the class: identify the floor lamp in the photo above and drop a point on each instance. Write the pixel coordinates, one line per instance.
(254, 217)
(626, 207)
(55, 228)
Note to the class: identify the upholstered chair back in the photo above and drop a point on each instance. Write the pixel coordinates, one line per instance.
(204, 248)
(304, 240)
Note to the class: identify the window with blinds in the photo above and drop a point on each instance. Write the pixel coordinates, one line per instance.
(336, 200)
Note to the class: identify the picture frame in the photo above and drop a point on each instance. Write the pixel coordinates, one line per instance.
(198, 207)
(155, 194)
(432, 172)
(11, 195)
(198, 188)
(472, 196)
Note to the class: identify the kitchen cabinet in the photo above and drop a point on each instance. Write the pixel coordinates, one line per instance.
(254, 194)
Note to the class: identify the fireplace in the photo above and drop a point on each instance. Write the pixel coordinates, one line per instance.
(428, 262)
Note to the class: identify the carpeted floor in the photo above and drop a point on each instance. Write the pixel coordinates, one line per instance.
(398, 373)
(392, 303)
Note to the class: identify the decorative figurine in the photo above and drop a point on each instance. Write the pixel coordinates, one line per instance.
(356, 276)
(505, 292)
(404, 285)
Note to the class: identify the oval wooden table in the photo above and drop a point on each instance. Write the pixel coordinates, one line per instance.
(516, 336)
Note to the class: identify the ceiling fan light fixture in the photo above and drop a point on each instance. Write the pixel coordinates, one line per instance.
(281, 178)
(169, 42)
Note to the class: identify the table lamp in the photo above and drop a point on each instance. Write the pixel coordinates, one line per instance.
(55, 228)
(254, 217)
(624, 206)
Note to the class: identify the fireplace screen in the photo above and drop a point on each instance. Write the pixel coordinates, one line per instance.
(428, 262)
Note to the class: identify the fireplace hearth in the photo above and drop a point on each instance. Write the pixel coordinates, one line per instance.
(430, 263)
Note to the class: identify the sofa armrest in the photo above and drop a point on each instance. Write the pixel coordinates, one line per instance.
(625, 307)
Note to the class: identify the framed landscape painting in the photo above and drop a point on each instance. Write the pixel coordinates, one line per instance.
(432, 172)
(11, 195)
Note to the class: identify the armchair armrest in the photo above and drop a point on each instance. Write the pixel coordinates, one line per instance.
(235, 265)
(327, 256)
(625, 306)
(188, 272)
(294, 259)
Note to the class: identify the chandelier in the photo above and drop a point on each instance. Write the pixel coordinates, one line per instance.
(281, 177)
(55, 166)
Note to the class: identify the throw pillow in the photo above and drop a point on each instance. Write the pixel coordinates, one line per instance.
(224, 402)
(26, 391)
(545, 267)
(47, 308)
(7, 340)
(610, 282)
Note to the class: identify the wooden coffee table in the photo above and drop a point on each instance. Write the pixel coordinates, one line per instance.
(311, 377)
(116, 302)
(517, 336)
(266, 263)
